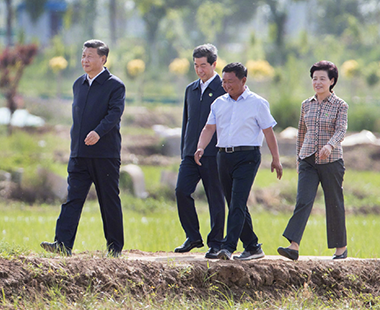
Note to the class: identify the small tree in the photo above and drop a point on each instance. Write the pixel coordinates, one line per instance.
(12, 64)
(260, 69)
(180, 67)
(135, 71)
(57, 65)
(351, 70)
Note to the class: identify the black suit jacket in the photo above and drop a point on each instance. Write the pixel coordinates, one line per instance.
(97, 107)
(195, 114)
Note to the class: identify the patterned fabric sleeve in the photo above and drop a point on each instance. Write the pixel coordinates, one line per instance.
(301, 130)
(341, 125)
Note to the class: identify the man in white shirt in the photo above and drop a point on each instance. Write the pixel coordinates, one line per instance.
(241, 119)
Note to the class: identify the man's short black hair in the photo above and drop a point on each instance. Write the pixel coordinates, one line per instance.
(206, 50)
(329, 67)
(101, 48)
(236, 67)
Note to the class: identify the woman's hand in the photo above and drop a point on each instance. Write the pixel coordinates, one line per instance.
(325, 151)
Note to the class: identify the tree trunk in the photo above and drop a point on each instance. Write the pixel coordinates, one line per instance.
(9, 40)
(112, 20)
(279, 18)
(90, 13)
(152, 21)
(12, 108)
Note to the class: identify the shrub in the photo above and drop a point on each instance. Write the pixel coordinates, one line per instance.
(364, 116)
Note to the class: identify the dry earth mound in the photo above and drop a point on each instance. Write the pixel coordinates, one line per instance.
(31, 277)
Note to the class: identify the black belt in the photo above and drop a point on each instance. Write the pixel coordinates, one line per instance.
(232, 149)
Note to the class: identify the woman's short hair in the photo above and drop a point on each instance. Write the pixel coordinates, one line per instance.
(329, 67)
(236, 67)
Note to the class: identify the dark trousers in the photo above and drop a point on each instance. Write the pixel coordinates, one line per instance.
(188, 177)
(237, 172)
(104, 173)
(331, 178)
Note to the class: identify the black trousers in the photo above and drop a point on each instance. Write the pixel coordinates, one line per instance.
(331, 178)
(237, 172)
(104, 173)
(188, 177)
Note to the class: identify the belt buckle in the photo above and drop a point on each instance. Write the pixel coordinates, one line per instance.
(232, 149)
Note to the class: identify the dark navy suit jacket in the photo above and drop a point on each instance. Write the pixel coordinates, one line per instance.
(195, 114)
(97, 107)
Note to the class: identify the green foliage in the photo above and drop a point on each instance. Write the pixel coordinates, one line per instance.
(18, 151)
(286, 112)
(343, 30)
(21, 151)
(372, 74)
(10, 250)
(210, 19)
(304, 298)
(335, 19)
(364, 116)
(26, 159)
(285, 97)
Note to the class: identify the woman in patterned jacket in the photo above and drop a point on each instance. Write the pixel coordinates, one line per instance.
(321, 129)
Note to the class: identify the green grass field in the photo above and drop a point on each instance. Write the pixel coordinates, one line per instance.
(24, 227)
(153, 225)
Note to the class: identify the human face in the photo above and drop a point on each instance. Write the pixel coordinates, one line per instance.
(233, 85)
(92, 63)
(203, 69)
(321, 84)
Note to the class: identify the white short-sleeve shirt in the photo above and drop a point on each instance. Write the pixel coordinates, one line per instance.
(240, 122)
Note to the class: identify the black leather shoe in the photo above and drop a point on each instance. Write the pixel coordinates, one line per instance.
(341, 256)
(56, 247)
(288, 253)
(188, 245)
(212, 253)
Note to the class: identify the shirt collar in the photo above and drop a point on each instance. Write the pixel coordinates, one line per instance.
(244, 95)
(91, 80)
(329, 98)
(207, 83)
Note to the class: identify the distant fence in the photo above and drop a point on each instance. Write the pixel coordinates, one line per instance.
(131, 100)
(155, 99)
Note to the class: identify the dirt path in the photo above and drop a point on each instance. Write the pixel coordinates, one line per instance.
(199, 257)
(161, 274)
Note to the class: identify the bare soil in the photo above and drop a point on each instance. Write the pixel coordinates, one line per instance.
(159, 275)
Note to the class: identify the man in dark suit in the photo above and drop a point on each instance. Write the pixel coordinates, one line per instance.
(198, 98)
(98, 105)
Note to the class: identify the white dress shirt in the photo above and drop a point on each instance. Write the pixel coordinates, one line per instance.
(207, 83)
(240, 122)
